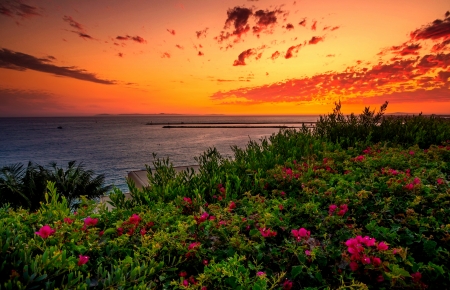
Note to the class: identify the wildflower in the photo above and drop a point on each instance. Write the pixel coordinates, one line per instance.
(187, 200)
(82, 260)
(360, 158)
(205, 262)
(382, 246)
(365, 260)
(409, 186)
(204, 288)
(416, 180)
(135, 219)
(45, 231)
(368, 241)
(192, 280)
(301, 233)
(331, 209)
(376, 261)
(202, 218)
(222, 223)
(260, 273)
(380, 278)
(280, 207)
(185, 283)
(100, 233)
(440, 181)
(343, 209)
(182, 274)
(211, 218)
(267, 232)
(416, 277)
(411, 152)
(287, 285)
(282, 193)
(120, 231)
(231, 206)
(143, 232)
(68, 220)
(353, 266)
(90, 221)
(308, 253)
(194, 245)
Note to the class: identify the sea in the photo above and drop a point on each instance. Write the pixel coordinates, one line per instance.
(114, 145)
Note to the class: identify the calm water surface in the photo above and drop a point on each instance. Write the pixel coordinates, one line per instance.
(115, 145)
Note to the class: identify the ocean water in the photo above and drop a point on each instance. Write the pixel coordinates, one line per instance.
(116, 145)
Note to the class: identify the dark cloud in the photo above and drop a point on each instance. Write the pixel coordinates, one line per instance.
(265, 20)
(15, 9)
(275, 55)
(439, 47)
(291, 50)
(83, 35)
(201, 33)
(289, 26)
(179, 46)
(314, 25)
(136, 38)
(436, 30)
(238, 18)
(120, 54)
(21, 61)
(334, 28)
(243, 56)
(200, 53)
(405, 49)
(330, 55)
(78, 26)
(165, 55)
(17, 102)
(171, 31)
(315, 40)
(400, 78)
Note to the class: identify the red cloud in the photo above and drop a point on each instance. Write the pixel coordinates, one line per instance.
(200, 53)
(439, 47)
(275, 55)
(412, 49)
(134, 38)
(315, 40)
(397, 78)
(73, 23)
(335, 28)
(331, 55)
(303, 22)
(16, 8)
(314, 25)
(83, 35)
(120, 54)
(179, 46)
(289, 26)
(245, 54)
(435, 30)
(171, 31)
(201, 33)
(291, 50)
(165, 55)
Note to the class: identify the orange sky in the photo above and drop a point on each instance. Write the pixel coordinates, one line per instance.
(75, 58)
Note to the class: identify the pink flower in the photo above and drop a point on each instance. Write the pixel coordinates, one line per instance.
(380, 278)
(182, 274)
(202, 218)
(194, 245)
(416, 277)
(382, 246)
(368, 241)
(376, 261)
(440, 181)
(365, 260)
(287, 285)
(260, 273)
(343, 209)
(68, 220)
(100, 233)
(205, 262)
(185, 283)
(120, 231)
(308, 253)
(204, 288)
(211, 218)
(267, 232)
(82, 260)
(135, 219)
(282, 193)
(231, 206)
(301, 233)
(90, 221)
(187, 200)
(411, 152)
(360, 158)
(416, 180)
(409, 186)
(45, 231)
(143, 232)
(331, 209)
(353, 266)
(280, 207)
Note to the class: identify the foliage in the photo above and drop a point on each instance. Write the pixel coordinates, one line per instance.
(25, 187)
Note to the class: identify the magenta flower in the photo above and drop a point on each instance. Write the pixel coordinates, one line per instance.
(90, 221)
(68, 220)
(202, 218)
(45, 231)
(380, 278)
(120, 231)
(182, 274)
(185, 283)
(135, 219)
(204, 288)
(301, 233)
(308, 253)
(365, 260)
(353, 266)
(194, 245)
(416, 277)
(376, 261)
(411, 152)
(205, 262)
(331, 209)
(409, 186)
(260, 273)
(360, 158)
(267, 232)
(440, 181)
(82, 260)
(343, 209)
(416, 180)
(187, 200)
(143, 232)
(368, 241)
(100, 233)
(382, 246)
(282, 193)
(287, 285)
(231, 206)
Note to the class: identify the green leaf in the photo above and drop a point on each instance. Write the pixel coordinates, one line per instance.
(296, 270)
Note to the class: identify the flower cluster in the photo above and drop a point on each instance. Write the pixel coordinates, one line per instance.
(266, 232)
(45, 231)
(360, 249)
(343, 208)
(300, 234)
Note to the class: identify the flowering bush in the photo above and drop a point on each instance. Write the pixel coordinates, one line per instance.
(288, 217)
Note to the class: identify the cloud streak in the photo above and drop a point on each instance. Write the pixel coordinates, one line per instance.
(20, 61)
(136, 38)
(15, 9)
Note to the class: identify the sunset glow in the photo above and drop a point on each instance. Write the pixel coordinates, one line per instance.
(76, 58)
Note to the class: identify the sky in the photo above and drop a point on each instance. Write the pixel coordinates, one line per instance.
(247, 57)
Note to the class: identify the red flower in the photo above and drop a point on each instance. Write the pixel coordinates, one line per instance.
(380, 278)
(416, 180)
(267, 232)
(90, 221)
(45, 231)
(416, 277)
(353, 266)
(301, 233)
(120, 231)
(382, 246)
(194, 245)
(182, 274)
(82, 260)
(360, 158)
(376, 261)
(287, 285)
(331, 209)
(143, 232)
(231, 206)
(205, 262)
(409, 186)
(68, 220)
(440, 181)
(100, 233)
(135, 219)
